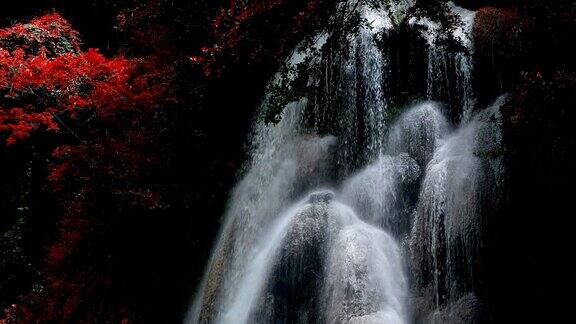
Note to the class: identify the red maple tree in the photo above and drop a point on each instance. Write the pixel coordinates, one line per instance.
(99, 110)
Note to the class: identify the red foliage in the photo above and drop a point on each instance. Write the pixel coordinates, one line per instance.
(100, 113)
(231, 30)
(102, 109)
(40, 89)
(50, 34)
(500, 29)
(530, 103)
(143, 28)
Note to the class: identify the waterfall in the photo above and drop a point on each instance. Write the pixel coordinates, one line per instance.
(360, 78)
(353, 209)
(449, 72)
(373, 65)
(377, 191)
(282, 161)
(456, 197)
(365, 282)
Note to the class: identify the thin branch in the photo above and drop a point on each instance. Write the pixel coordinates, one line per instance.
(66, 126)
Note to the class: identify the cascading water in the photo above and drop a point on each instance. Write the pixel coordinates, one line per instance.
(396, 238)
(456, 197)
(373, 67)
(449, 73)
(282, 162)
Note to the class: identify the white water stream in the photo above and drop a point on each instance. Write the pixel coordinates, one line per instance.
(395, 239)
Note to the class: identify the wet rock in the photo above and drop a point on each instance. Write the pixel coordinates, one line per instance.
(323, 196)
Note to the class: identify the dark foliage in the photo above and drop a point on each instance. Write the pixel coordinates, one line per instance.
(525, 49)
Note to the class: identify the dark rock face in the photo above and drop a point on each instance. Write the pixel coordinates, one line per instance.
(498, 42)
(466, 309)
(523, 50)
(293, 291)
(528, 272)
(324, 196)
